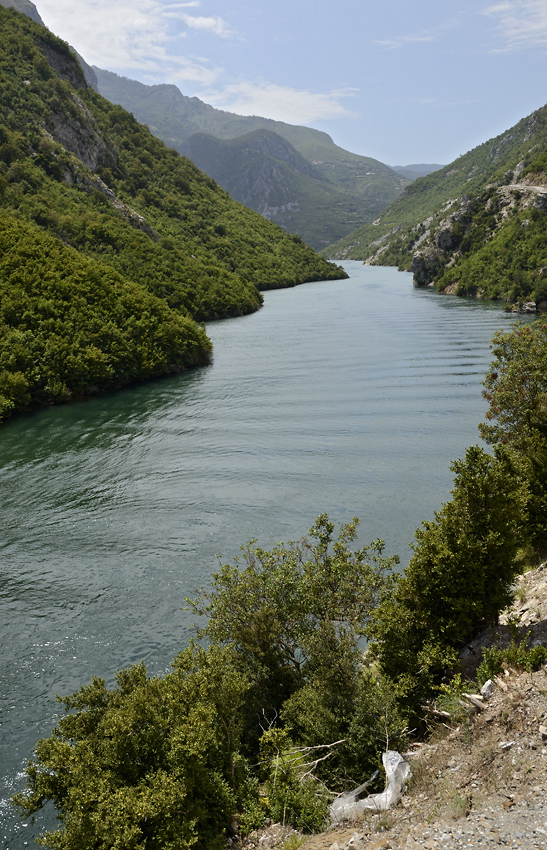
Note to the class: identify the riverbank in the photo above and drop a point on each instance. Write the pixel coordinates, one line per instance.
(481, 781)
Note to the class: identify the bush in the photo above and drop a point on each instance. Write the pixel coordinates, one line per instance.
(151, 763)
(460, 577)
(292, 611)
(516, 388)
(517, 655)
(294, 797)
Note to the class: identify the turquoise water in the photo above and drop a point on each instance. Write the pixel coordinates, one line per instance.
(349, 397)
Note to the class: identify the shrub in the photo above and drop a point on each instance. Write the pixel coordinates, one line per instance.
(460, 577)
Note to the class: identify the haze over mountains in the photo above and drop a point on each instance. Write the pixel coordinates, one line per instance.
(295, 176)
(416, 170)
(472, 227)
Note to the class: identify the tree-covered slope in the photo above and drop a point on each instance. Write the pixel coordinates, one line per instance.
(104, 190)
(353, 188)
(476, 227)
(266, 173)
(70, 325)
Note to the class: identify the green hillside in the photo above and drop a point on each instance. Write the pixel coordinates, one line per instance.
(266, 173)
(90, 198)
(358, 187)
(476, 227)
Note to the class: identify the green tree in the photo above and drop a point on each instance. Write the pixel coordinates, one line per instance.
(516, 388)
(151, 763)
(293, 610)
(460, 577)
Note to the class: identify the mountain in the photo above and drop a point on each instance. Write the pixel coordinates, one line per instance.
(475, 227)
(29, 9)
(320, 203)
(416, 170)
(24, 6)
(112, 246)
(266, 173)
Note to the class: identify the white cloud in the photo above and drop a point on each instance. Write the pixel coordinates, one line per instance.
(139, 36)
(214, 25)
(280, 102)
(521, 23)
(422, 36)
(403, 40)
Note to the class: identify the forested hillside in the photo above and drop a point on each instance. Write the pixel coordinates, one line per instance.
(89, 199)
(266, 173)
(476, 227)
(300, 179)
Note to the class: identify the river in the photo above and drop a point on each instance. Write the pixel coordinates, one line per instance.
(350, 397)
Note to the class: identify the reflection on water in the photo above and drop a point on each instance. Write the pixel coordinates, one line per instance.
(349, 397)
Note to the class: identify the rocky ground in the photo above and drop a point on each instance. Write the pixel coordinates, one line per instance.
(480, 780)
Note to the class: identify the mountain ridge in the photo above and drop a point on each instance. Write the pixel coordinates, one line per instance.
(358, 187)
(475, 227)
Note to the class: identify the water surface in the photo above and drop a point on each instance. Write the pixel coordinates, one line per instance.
(350, 397)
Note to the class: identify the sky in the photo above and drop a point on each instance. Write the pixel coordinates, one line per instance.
(403, 81)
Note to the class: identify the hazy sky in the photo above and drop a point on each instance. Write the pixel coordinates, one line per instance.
(400, 80)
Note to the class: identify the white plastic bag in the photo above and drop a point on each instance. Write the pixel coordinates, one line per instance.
(350, 807)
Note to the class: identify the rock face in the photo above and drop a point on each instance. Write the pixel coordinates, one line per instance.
(64, 64)
(78, 135)
(425, 265)
(527, 620)
(24, 6)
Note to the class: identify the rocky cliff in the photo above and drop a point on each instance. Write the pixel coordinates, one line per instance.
(473, 228)
(24, 6)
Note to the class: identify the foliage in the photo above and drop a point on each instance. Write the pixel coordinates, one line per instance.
(82, 172)
(150, 763)
(516, 389)
(294, 610)
(293, 795)
(450, 698)
(70, 325)
(358, 712)
(162, 762)
(460, 577)
(517, 655)
(503, 258)
(293, 616)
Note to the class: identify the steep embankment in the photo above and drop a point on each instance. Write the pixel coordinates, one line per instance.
(476, 227)
(480, 780)
(87, 196)
(295, 176)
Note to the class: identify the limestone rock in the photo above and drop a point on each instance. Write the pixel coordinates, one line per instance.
(424, 267)
(24, 6)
